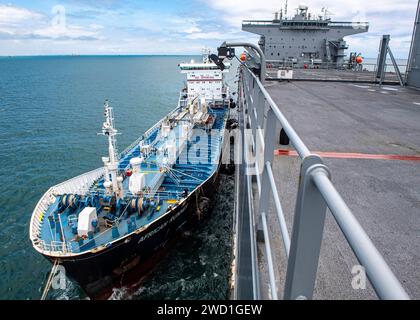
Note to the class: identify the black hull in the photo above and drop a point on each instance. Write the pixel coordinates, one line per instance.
(133, 256)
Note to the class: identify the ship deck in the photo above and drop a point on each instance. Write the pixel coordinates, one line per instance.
(196, 162)
(335, 75)
(352, 122)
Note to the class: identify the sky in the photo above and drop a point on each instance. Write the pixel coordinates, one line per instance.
(46, 27)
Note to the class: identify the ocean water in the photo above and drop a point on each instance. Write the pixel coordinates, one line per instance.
(370, 64)
(51, 109)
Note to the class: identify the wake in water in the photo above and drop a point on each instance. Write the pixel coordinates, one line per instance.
(198, 267)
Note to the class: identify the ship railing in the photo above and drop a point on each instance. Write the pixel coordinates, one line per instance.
(286, 23)
(79, 184)
(55, 247)
(353, 25)
(315, 194)
(331, 71)
(150, 130)
(38, 217)
(308, 23)
(76, 185)
(164, 195)
(137, 141)
(257, 22)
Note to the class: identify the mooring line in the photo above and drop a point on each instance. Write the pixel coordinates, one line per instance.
(49, 281)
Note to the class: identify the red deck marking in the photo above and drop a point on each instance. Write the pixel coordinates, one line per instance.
(346, 155)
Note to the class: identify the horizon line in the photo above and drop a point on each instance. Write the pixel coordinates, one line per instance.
(116, 55)
(98, 55)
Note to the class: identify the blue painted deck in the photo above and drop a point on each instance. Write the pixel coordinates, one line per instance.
(196, 163)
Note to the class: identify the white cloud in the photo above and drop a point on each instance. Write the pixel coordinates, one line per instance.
(69, 31)
(21, 23)
(251, 9)
(158, 22)
(152, 31)
(95, 26)
(12, 16)
(207, 35)
(384, 16)
(192, 29)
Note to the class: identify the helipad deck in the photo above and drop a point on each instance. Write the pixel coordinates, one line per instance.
(358, 126)
(335, 75)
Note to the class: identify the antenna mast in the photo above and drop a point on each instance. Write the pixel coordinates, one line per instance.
(111, 165)
(285, 9)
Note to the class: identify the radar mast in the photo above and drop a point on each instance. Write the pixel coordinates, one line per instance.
(111, 163)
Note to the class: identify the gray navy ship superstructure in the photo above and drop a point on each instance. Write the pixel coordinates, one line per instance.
(304, 38)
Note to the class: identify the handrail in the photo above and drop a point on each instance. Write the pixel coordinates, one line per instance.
(297, 142)
(80, 182)
(255, 48)
(280, 214)
(306, 23)
(156, 125)
(75, 185)
(316, 193)
(384, 281)
(37, 215)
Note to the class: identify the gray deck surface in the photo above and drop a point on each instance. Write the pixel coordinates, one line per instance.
(384, 195)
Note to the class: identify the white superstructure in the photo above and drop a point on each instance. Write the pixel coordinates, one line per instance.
(204, 79)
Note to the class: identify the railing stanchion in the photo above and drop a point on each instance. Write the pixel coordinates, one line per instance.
(253, 105)
(315, 193)
(268, 155)
(383, 280)
(260, 108)
(307, 233)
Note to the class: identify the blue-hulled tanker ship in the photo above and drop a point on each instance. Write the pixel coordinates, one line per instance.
(106, 223)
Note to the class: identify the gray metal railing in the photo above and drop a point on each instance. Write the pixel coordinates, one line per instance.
(328, 71)
(316, 193)
(307, 23)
